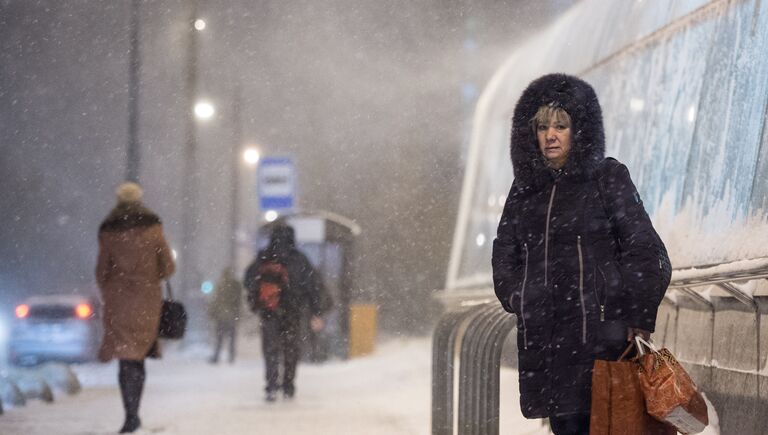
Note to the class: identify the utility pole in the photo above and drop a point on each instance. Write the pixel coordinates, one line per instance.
(236, 148)
(134, 70)
(189, 217)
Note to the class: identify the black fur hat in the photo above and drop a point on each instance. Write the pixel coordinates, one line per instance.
(577, 98)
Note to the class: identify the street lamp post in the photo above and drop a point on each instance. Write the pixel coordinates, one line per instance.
(235, 212)
(189, 188)
(134, 69)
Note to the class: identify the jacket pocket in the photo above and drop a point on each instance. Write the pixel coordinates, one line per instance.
(601, 297)
(581, 292)
(522, 297)
(611, 297)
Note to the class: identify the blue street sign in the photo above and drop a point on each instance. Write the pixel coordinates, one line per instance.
(276, 183)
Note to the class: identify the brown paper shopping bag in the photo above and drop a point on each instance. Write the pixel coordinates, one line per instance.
(670, 394)
(618, 405)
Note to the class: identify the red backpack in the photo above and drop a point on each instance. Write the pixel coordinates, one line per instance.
(273, 279)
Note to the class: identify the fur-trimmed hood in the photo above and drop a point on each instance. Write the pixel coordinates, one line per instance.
(129, 215)
(577, 98)
(282, 242)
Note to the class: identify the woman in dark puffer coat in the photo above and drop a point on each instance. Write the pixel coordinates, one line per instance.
(576, 257)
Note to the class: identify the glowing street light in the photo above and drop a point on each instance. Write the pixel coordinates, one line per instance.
(204, 110)
(271, 216)
(199, 24)
(480, 240)
(251, 156)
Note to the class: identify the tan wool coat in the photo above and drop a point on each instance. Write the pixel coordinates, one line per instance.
(133, 260)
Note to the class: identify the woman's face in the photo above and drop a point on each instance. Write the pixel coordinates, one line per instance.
(554, 141)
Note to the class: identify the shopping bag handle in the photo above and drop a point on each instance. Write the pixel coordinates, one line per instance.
(640, 341)
(626, 351)
(169, 290)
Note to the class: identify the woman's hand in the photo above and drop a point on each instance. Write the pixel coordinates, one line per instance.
(632, 332)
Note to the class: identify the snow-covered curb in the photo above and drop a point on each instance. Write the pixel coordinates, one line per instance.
(17, 385)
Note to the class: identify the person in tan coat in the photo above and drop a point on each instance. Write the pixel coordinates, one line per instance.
(133, 260)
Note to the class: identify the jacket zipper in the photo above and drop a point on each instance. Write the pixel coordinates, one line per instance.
(546, 234)
(522, 298)
(581, 292)
(605, 299)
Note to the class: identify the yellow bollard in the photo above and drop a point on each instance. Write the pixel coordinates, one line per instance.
(362, 329)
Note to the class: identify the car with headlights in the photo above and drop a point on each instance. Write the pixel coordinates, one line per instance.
(63, 328)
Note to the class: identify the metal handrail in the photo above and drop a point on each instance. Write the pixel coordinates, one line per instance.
(738, 294)
(696, 296)
(720, 278)
(723, 281)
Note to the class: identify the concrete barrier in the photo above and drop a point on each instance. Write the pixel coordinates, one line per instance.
(18, 385)
(33, 387)
(60, 377)
(10, 393)
(694, 338)
(734, 388)
(762, 303)
(666, 326)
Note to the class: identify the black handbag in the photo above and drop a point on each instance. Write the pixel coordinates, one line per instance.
(173, 318)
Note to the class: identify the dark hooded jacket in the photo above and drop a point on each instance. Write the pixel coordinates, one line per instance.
(576, 257)
(305, 287)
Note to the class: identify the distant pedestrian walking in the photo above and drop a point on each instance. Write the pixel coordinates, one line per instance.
(224, 311)
(280, 283)
(576, 257)
(133, 260)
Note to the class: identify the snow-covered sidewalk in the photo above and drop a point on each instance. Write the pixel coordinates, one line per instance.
(387, 393)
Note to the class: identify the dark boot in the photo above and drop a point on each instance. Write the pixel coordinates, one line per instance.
(289, 391)
(217, 346)
(270, 342)
(131, 379)
(232, 339)
(132, 423)
(290, 359)
(271, 396)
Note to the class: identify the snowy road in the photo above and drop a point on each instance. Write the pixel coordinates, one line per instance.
(387, 393)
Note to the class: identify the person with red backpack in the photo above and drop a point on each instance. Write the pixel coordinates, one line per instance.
(280, 282)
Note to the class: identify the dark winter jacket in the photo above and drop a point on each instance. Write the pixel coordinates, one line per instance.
(305, 286)
(576, 257)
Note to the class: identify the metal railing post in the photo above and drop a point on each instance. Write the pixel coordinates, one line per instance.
(503, 324)
(442, 372)
(467, 372)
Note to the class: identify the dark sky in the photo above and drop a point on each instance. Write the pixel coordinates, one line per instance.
(372, 99)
